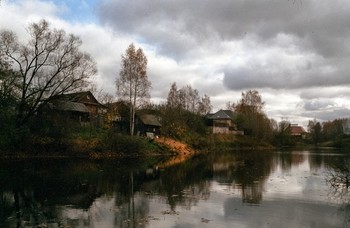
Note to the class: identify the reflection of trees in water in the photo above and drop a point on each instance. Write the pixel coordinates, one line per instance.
(37, 191)
(288, 159)
(133, 213)
(34, 189)
(338, 179)
(186, 183)
(246, 171)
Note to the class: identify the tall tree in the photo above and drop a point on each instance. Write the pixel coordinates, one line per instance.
(49, 64)
(188, 99)
(172, 99)
(133, 84)
(315, 130)
(250, 116)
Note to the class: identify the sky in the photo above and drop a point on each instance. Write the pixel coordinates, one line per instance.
(296, 53)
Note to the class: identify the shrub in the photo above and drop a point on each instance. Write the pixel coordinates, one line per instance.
(125, 144)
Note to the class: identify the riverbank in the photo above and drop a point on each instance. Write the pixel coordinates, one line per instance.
(181, 150)
(107, 144)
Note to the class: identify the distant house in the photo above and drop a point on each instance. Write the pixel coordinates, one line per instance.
(297, 131)
(222, 122)
(148, 125)
(81, 106)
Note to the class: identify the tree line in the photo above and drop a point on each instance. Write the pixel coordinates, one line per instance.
(51, 63)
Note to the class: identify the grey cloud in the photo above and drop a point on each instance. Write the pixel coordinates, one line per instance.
(179, 29)
(323, 24)
(329, 114)
(312, 105)
(323, 109)
(329, 92)
(277, 77)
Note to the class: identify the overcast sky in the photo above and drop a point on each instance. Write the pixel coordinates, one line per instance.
(296, 53)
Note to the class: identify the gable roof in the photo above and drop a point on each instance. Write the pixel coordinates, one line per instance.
(150, 119)
(222, 115)
(82, 97)
(70, 106)
(296, 130)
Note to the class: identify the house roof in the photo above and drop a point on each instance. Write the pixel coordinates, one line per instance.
(222, 114)
(70, 106)
(83, 97)
(297, 130)
(150, 119)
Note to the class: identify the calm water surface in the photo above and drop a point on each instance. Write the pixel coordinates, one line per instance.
(238, 189)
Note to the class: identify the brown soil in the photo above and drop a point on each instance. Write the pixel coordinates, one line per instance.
(182, 151)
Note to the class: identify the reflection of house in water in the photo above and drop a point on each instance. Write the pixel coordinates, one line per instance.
(224, 173)
(252, 193)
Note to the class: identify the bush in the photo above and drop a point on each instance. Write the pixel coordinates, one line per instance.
(125, 144)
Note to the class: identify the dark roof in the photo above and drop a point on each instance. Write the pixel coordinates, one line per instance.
(69, 106)
(222, 114)
(73, 96)
(79, 97)
(150, 119)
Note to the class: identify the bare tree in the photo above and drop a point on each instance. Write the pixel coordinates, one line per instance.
(48, 65)
(188, 99)
(204, 106)
(133, 83)
(172, 99)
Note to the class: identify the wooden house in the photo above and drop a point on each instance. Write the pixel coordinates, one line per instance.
(86, 98)
(147, 125)
(297, 131)
(81, 106)
(222, 122)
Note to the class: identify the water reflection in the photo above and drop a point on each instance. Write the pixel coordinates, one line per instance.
(239, 188)
(338, 179)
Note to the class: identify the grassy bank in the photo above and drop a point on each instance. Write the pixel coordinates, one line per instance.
(87, 142)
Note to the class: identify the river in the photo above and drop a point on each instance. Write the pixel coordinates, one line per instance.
(232, 189)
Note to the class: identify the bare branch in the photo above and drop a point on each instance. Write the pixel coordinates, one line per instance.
(50, 64)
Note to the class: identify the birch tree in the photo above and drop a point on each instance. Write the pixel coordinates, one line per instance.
(133, 84)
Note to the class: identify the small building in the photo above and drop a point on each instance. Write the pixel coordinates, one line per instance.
(74, 110)
(222, 122)
(297, 131)
(82, 107)
(86, 98)
(148, 125)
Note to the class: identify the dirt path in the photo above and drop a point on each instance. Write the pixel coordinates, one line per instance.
(182, 150)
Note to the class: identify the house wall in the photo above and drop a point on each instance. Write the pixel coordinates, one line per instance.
(92, 108)
(222, 126)
(221, 130)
